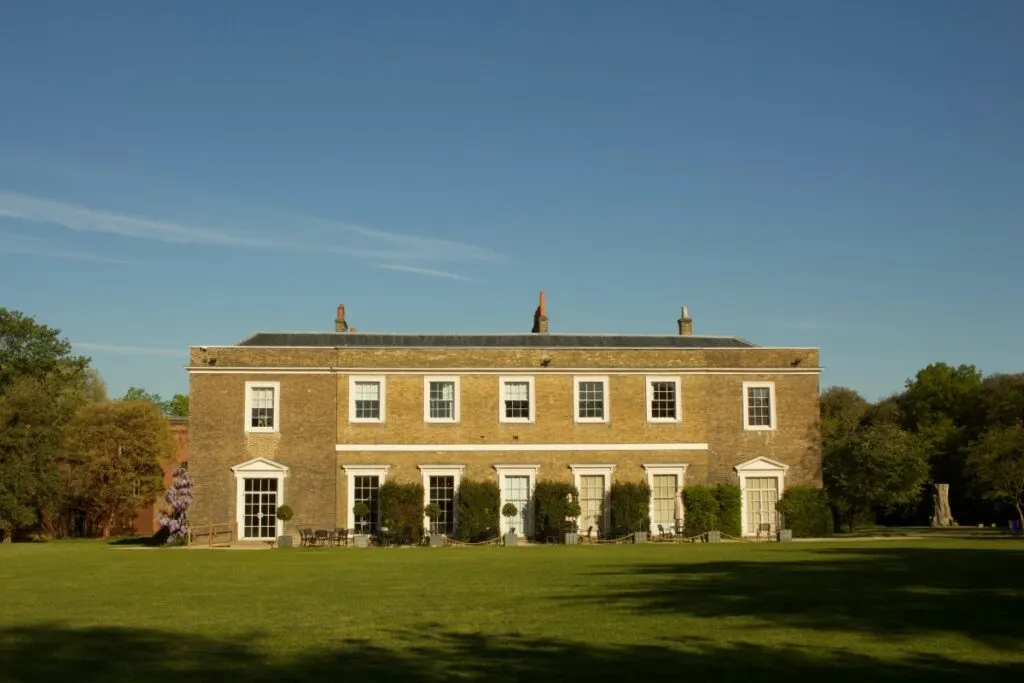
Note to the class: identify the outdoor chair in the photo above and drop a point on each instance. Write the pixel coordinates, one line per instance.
(306, 538)
(665, 535)
(323, 537)
(764, 530)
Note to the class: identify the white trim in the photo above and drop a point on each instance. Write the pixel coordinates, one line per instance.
(677, 381)
(576, 399)
(512, 448)
(504, 379)
(517, 470)
(257, 468)
(758, 467)
(276, 387)
(382, 381)
(456, 399)
(353, 471)
(771, 407)
(261, 370)
(678, 469)
(605, 470)
(428, 471)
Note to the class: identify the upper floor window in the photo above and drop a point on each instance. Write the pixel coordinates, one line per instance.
(663, 399)
(441, 399)
(262, 406)
(759, 405)
(366, 398)
(590, 396)
(516, 402)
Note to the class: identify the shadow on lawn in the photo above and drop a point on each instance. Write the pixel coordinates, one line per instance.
(976, 593)
(53, 653)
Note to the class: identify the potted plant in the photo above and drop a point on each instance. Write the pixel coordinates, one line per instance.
(573, 512)
(508, 511)
(285, 514)
(362, 512)
(433, 511)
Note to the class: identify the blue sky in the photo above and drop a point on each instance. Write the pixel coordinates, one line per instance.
(833, 174)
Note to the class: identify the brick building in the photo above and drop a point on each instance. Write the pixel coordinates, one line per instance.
(320, 420)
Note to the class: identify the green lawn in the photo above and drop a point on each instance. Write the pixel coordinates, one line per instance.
(896, 610)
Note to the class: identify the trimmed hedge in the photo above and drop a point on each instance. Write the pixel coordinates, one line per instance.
(631, 506)
(479, 503)
(713, 508)
(549, 508)
(401, 510)
(730, 509)
(806, 511)
(701, 509)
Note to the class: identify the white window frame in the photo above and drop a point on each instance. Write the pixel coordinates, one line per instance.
(428, 471)
(677, 381)
(257, 468)
(576, 399)
(517, 379)
(456, 408)
(679, 470)
(607, 470)
(353, 471)
(249, 386)
(381, 381)
(518, 471)
(746, 406)
(757, 468)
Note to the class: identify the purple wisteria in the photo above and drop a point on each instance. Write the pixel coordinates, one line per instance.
(179, 498)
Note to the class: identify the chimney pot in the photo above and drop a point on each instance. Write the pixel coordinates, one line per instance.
(685, 323)
(339, 323)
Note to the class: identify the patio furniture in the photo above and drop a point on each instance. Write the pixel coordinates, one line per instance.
(306, 538)
(323, 537)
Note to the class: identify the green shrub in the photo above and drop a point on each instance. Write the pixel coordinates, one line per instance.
(806, 511)
(701, 509)
(401, 510)
(631, 506)
(550, 508)
(284, 513)
(730, 509)
(478, 510)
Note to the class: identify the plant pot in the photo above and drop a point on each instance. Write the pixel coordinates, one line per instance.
(510, 540)
(572, 538)
(436, 540)
(639, 537)
(714, 537)
(361, 540)
(284, 542)
(785, 535)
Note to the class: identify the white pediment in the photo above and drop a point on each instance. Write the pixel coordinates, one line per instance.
(761, 465)
(261, 466)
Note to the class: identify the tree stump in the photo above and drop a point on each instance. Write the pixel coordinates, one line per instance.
(942, 516)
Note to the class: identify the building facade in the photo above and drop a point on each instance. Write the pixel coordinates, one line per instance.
(321, 420)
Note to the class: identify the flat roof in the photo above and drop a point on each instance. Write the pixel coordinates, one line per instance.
(517, 340)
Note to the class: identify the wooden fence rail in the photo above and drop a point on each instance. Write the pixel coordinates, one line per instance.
(214, 534)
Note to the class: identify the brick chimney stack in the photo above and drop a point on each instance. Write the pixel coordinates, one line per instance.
(540, 317)
(685, 324)
(339, 323)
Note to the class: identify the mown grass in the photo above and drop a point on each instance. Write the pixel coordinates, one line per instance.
(896, 610)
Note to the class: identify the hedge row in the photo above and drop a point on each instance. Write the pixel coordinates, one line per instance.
(806, 511)
(479, 510)
(631, 506)
(551, 508)
(401, 510)
(713, 508)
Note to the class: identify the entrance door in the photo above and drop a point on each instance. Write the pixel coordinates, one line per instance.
(260, 514)
(762, 494)
(442, 492)
(517, 492)
(591, 502)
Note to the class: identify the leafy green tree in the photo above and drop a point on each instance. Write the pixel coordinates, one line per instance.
(31, 349)
(996, 465)
(881, 466)
(178, 406)
(842, 410)
(121, 445)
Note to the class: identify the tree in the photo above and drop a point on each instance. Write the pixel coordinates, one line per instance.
(881, 466)
(122, 446)
(178, 406)
(996, 465)
(179, 498)
(842, 410)
(28, 348)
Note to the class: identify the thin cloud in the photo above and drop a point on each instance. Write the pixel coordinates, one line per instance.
(424, 271)
(131, 350)
(48, 252)
(398, 246)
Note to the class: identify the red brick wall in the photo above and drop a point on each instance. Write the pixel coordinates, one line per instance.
(147, 520)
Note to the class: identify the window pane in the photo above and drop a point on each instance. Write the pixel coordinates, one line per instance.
(759, 411)
(591, 403)
(663, 400)
(259, 507)
(262, 407)
(366, 489)
(442, 492)
(517, 400)
(442, 400)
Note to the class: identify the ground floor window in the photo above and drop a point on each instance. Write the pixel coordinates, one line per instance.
(516, 490)
(442, 492)
(663, 501)
(762, 493)
(366, 489)
(259, 513)
(592, 502)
